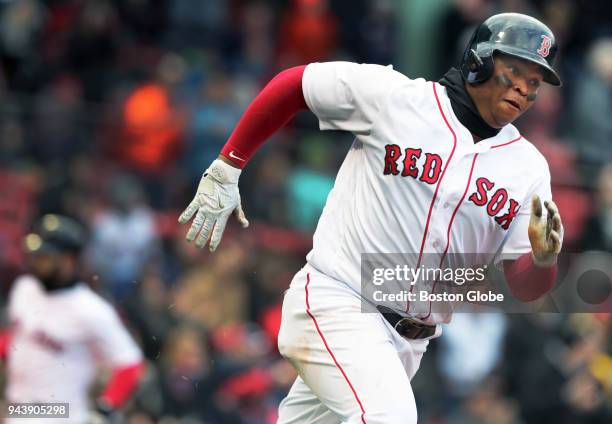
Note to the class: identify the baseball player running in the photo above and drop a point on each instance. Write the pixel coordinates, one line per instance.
(435, 168)
(61, 331)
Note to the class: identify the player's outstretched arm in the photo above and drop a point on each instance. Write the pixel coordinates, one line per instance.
(217, 195)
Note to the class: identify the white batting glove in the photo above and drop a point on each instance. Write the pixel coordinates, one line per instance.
(545, 234)
(217, 197)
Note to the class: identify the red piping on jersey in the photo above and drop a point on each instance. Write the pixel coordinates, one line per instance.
(433, 199)
(330, 351)
(450, 224)
(507, 143)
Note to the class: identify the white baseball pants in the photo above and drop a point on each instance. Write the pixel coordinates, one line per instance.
(353, 367)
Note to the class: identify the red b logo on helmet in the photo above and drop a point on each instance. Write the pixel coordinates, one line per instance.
(544, 49)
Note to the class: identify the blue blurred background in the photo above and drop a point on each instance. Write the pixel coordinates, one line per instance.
(111, 110)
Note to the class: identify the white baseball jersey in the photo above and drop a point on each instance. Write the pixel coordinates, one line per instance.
(58, 339)
(414, 181)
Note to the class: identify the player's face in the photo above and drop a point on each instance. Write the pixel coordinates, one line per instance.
(53, 269)
(510, 92)
(44, 266)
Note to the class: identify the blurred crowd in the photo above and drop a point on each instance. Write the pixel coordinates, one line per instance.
(112, 109)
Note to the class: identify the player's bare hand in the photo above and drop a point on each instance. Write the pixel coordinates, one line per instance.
(545, 233)
(217, 197)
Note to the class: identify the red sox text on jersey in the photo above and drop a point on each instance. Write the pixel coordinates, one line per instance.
(429, 173)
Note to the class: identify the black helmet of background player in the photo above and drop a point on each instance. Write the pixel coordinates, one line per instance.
(513, 34)
(54, 248)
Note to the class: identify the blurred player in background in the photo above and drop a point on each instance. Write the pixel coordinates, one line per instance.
(61, 332)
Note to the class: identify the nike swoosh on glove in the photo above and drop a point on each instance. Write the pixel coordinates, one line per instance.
(215, 200)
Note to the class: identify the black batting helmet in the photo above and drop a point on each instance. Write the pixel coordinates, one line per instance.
(55, 233)
(513, 34)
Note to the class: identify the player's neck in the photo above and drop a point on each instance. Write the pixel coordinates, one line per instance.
(464, 106)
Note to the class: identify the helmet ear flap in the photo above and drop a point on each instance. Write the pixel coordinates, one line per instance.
(476, 68)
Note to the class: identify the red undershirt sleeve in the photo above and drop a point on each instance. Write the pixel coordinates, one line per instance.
(5, 341)
(122, 384)
(273, 107)
(526, 280)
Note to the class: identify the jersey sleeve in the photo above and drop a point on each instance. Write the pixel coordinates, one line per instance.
(20, 296)
(347, 96)
(111, 341)
(518, 240)
(14, 298)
